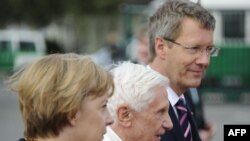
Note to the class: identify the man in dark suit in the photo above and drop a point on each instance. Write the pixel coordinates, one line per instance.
(180, 47)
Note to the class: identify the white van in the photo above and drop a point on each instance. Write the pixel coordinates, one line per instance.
(20, 46)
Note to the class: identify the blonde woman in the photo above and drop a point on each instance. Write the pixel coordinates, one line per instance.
(63, 97)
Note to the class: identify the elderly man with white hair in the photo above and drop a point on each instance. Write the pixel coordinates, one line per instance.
(139, 104)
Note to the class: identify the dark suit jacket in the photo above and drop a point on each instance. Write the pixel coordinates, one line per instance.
(175, 134)
(196, 107)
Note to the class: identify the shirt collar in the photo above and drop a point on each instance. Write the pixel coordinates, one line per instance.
(173, 97)
(111, 135)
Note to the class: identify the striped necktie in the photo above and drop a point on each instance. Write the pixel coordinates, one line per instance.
(183, 119)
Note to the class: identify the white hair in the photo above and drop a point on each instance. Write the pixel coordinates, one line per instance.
(133, 86)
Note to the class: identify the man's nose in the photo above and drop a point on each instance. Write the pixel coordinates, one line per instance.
(203, 58)
(167, 124)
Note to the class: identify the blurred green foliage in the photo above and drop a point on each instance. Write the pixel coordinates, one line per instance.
(41, 12)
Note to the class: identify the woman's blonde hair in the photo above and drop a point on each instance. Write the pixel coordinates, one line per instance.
(52, 88)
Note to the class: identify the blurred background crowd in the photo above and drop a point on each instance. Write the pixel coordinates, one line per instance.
(112, 31)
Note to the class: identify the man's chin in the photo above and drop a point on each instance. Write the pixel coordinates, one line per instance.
(195, 83)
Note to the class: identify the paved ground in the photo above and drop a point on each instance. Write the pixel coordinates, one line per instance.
(11, 123)
(10, 119)
(227, 114)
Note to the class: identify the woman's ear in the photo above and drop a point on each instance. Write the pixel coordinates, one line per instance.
(73, 118)
(124, 115)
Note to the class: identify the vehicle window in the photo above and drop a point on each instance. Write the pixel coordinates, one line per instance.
(5, 46)
(27, 47)
(233, 24)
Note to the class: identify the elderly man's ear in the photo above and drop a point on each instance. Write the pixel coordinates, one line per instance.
(124, 115)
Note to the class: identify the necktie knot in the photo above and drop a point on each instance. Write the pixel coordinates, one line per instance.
(180, 106)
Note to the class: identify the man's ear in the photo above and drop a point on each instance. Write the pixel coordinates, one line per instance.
(124, 115)
(160, 48)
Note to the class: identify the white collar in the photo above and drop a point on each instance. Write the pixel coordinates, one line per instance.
(173, 97)
(111, 135)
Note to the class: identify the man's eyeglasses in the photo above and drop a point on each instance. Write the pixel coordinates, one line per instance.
(211, 51)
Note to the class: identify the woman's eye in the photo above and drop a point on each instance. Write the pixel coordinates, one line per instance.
(104, 106)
